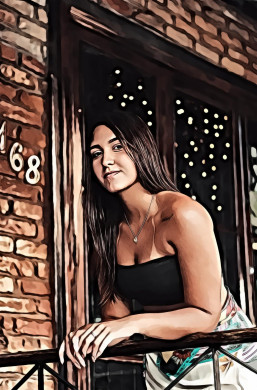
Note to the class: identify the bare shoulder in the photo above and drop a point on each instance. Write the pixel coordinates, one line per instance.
(181, 209)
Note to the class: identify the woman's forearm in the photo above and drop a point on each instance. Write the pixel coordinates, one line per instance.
(174, 324)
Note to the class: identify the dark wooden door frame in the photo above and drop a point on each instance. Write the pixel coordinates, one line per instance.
(87, 22)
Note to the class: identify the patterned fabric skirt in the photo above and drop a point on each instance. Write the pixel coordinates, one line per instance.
(161, 368)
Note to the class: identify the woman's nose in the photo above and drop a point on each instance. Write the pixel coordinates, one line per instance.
(107, 159)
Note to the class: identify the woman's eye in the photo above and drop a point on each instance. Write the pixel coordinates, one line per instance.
(117, 147)
(95, 154)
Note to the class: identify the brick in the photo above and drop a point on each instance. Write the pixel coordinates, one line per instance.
(120, 6)
(34, 137)
(6, 244)
(35, 288)
(7, 17)
(19, 114)
(22, 343)
(6, 91)
(30, 249)
(231, 41)
(32, 102)
(44, 307)
(213, 42)
(216, 5)
(6, 284)
(205, 26)
(32, 29)
(34, 328)
(237, 56)
(10, 186)
(204, 51)
(13, 226)
(17, 267)
(239, 30)
(219, 20)
(192, 5)
(17, 305)
(5, 167)
(19, 77)
(251, 76)
(42, 16)
(4, 206)
(7, 52)
(31, 46)
(151, 20)
(43, 270)
(232, 66)
(8, 323)
(251, 51)
(33, 64)
(179, 37)
(24, 209)
(178, 9)
(254, 65)
(187, 28)
(159, 10)
(21, 6)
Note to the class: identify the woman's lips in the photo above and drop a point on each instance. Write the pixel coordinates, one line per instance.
(111, 175)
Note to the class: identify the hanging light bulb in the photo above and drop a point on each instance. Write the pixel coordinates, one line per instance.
(178, 101)
(206, 131)
(206, 110)
(183, 175)
(110, 97)
(214, 187)
(117, 71)
(186, 155)
(149, 112)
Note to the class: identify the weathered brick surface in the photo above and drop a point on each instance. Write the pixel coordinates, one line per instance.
(30, 249)
(21, 6)
(6, 244)
(210, 29)
(34, 328)
(17, 227)
(32, 29)
(6, 284)
(14, 305)
(24, 209)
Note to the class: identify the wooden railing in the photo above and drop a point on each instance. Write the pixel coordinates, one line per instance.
(214, 341)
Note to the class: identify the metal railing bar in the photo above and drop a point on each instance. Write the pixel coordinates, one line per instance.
(26, 377)
(216, 369)
(184, 373)
(237, 360)
(23, 358)
(41, 377)
(57, 376)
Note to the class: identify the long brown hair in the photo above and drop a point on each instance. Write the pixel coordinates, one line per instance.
(104, 209)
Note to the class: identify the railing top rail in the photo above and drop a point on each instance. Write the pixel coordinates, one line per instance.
(131, 347)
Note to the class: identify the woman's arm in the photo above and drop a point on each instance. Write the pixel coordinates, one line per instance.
(191, 231)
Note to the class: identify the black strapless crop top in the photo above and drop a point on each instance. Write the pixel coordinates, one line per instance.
(153, 283)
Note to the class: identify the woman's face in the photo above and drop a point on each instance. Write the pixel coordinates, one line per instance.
(111, 164)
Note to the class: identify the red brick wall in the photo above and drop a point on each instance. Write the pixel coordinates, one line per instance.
(210, 29)
(25, 312)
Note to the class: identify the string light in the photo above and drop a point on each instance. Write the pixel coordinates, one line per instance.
(203, 161)
(206, 120)
(195, 148)
(206, 110)
(219, 208)
(221, 127)
(206, 131)
(216, 115)
(117, 71)
(125, 96)
(216, 134)
(110, 97)
(118, 84)
(144, 102)
(123, 104)
(149, 112)
(192, 142)
(213, 168)
(204, 174)
(140, 87)
(215, 126)
(131, 97)
(213, 197)
(183, 175)
(193, 197)
(211, 146)
(211, 156)
(180, 111)
(227, 144)
(191, 163)
(187, 185)
(190, 120)
(186, 155)
(214, 187)
(178, 101)
(225, 157)
(149, 123)
(225, 118)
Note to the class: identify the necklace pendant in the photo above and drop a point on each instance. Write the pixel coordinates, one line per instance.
(135, 240)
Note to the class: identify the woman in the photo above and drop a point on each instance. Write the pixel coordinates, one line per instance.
(155, 245)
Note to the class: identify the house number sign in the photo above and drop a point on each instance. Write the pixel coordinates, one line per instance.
(16, 159)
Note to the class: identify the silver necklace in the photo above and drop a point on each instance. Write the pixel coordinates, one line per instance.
(135, 239)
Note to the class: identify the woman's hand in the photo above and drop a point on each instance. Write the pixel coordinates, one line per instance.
(93, 338)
